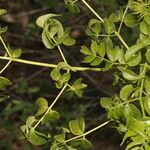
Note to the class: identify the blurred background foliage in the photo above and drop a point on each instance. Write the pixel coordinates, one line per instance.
(30, 82)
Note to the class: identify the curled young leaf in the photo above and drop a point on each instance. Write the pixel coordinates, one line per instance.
(42, 106)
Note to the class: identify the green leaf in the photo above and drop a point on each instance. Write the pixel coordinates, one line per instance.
(55, 74)
(94, 47)
(109, 26)
(84, 144)
(4, 82)
(108, 66)
(133, 144)
(128, 74)
(89, 59)
(106, 102)
(130, 20)
(118, 112)
(144, 28)
(77, 126)
(78, 87)
(3, 12)
(3, 30)
(36, 139)
(135, 48)
(101, 49)
(108, 43)
(131, 111)
(73, 8)
(147, 85)
(30, 121)
(114, 17)
(96, 61)
(147, 105)
(60, 138)
(94, 27)
(15, 53)
(147, 19)
(126, 92)
(47, 41)
(148, 55)
(84, 50)
(112, 54)
(51, 116)
(135, 60)
(42, 106)
(120, 55)
(69, 41)
(66, 77)
(42, 19)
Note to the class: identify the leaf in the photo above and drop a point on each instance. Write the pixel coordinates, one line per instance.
(132, 144)
(84, 50)
(108, 43)
(114, 17)
(42, 106)
(147, 105)
(130, 20)
(94, 27)
(15, 53)
(84, 144)
(4, 82)
(89, 59)
(111, 54)
(3, 12)
(109, 26)
(126, 92)
(94, 47)
(144, 28)
(128, 74)
(3, 30)
(135, 60)
(73, 8)
(147, 85)
(147, 19)
(30, 121)
(47, 42)
(77, 126)
(106, 102)
(69, 41)
(36, 139)
(131, 111)
(96, 61)
(60, 138)
(148, 55)
(135, 48)
(51, 116)
(120, 56)
(78, 87)
(118, 112)
(42, 19)
(101, 49)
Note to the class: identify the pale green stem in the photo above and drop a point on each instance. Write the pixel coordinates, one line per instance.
(88, 132)
(47, 64)
(50, 107)
(5, 46)
(131, 100)
(121, 39)
(61, 53)
(124, 14)
(141, 89)
(93, 11)
(2, 70)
